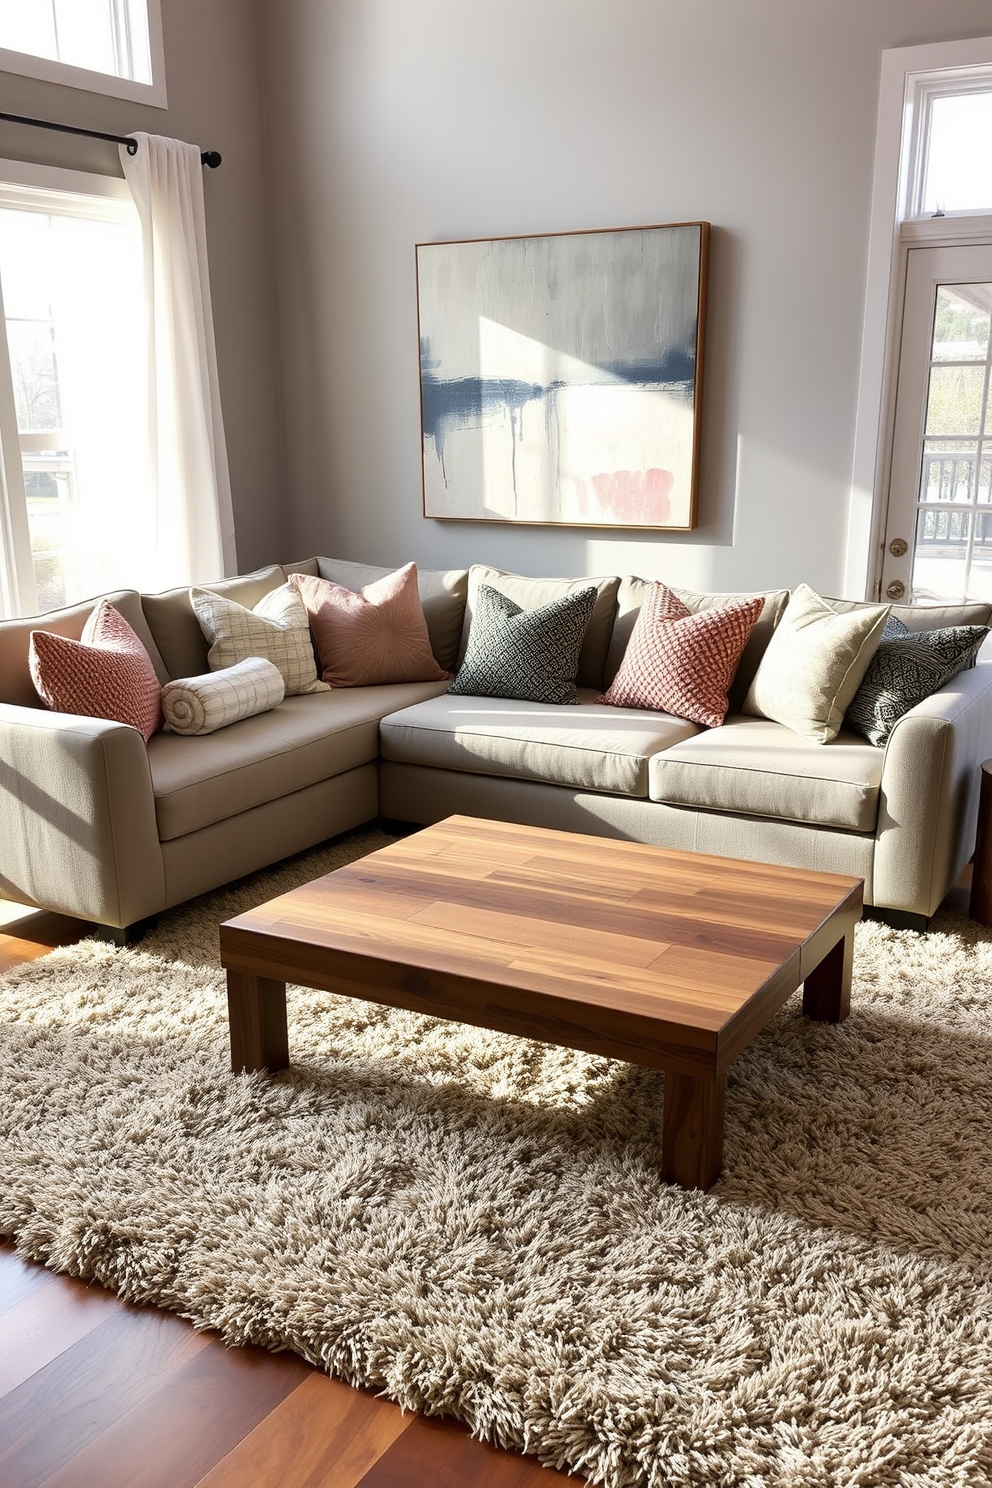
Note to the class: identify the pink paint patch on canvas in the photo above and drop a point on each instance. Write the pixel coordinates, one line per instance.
(635, 496)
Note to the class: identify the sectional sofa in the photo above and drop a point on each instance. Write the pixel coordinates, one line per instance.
(96, 824)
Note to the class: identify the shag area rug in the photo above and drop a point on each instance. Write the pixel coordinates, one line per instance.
(474, 1224)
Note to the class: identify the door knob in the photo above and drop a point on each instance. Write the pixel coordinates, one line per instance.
(898, 547)
(896, 589)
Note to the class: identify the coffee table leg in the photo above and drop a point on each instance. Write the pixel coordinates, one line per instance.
(827, 989)
(692, 1135)
(256, 1011)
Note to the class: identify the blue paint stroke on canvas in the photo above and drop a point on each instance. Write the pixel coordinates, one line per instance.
(466, 402)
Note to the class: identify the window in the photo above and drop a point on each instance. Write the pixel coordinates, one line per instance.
(106, 46)
(72, 389)
(956, 168)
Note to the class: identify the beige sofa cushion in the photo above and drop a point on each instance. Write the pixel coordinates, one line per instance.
(754, 767)
(925, 617)
(173, 623)
(16, 685)
(530, 594)
(814, 663)
(585, 745)
(442, 595)
(630, 598)
(208, 778)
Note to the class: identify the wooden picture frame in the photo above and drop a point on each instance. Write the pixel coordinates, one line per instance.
(561, 376)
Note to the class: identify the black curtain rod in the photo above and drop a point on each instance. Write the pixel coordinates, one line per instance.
(207, 157)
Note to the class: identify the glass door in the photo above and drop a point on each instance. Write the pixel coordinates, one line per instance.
(938, 538)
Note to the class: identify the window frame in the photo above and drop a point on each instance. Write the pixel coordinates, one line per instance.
(25, 64)
(910, 75)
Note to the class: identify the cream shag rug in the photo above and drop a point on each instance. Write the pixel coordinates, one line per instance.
(474, 1224)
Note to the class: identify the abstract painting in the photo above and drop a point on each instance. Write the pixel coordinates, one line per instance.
(560, 376)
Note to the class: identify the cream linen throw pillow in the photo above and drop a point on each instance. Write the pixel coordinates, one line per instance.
(814, 663)
(277, 629)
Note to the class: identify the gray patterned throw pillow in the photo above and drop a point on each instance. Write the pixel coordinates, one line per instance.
(532, 655)
(908, 667)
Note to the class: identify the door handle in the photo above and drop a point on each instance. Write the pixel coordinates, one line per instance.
(898, 547)
(896, 589)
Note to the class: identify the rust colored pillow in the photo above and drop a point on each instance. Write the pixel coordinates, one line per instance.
(106, 674)
(377, 636)
(682, 662)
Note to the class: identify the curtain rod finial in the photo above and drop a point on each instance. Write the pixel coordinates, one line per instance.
(212, 158)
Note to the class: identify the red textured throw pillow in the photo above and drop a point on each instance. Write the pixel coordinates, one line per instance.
(377, 636)
(106, 674)
(682, 662)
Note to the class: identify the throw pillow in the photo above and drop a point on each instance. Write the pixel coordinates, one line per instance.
(814, 663)
(276, 629)
(107, 673)
(201, 705)
(530, 655)
(377, 636)
(908, 667)
(683, 662)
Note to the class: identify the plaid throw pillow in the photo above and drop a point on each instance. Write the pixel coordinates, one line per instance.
(532, 655)
(106, 674)
(908, 667)
(201, 705)
(276, 629)
(682, 662)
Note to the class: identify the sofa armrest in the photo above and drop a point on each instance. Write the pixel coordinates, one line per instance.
(928, 801)
(77, 817)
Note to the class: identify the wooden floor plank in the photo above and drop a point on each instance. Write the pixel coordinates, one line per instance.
(192, 1417)
(18, 1278)
(324, 1435)
(434, 1453)
(63, 1407)
(43, 1324)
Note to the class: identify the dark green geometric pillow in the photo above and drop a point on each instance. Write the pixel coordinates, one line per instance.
(907, 668)
(531, 655)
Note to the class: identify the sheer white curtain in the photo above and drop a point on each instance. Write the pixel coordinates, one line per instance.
(190, 486)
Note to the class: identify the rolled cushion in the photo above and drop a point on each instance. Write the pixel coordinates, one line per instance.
(532, 655)
(201, 705)
(277, 628)
(106, 674)
(814, 663)
(371, 638)
(680, 662)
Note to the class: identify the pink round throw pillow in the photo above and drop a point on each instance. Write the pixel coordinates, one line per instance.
(374, 637)
(106, 674)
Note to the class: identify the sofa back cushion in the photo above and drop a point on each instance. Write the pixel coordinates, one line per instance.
(631, 596)
(16, 685)
(532, 594)
(172, 620)
(442, 595)
(925, 617)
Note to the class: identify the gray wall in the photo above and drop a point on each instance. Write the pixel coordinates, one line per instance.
(393, 122)
(212, 68)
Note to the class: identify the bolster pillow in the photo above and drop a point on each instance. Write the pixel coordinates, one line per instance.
(199, 705)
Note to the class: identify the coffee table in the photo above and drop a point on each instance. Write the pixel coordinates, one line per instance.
(669, 959)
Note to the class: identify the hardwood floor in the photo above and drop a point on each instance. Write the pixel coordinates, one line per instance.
(95, 1393)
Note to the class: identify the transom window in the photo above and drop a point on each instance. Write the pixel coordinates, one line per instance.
(949, 147)
(109, 46)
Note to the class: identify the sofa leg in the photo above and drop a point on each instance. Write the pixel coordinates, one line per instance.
(124, 935)
(903, 919)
